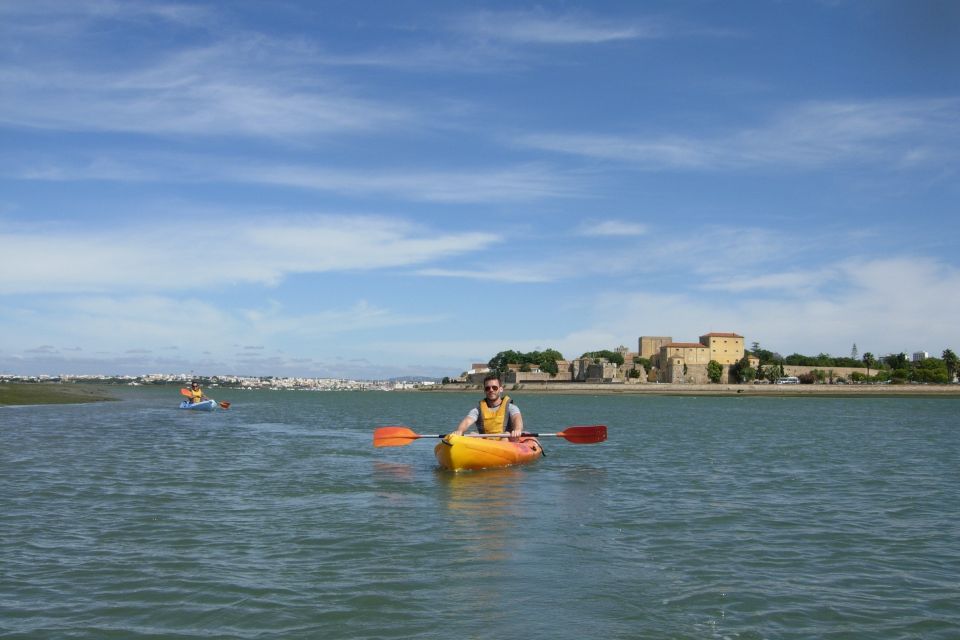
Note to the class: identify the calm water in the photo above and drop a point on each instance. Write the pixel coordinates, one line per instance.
(699, 518)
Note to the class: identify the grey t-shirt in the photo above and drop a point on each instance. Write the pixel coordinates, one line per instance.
(512, 410)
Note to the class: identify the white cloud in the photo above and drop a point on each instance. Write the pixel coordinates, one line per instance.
(515, 183)
(896, 133)
(515, 274)
(153, 257)
(612, 228)
(882, 305)
(781, 283)
(183, 98)
(275, 320)
(538, 27)
(114, 329)
(60, 74)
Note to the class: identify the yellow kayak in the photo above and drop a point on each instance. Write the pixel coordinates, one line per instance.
(467, 452)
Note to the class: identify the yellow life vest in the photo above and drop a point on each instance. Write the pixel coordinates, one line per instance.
(493, 420)
(197, 395)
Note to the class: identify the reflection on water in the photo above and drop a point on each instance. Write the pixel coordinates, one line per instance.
(483, 507)
(395, 471)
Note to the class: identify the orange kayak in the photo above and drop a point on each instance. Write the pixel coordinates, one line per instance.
(466, 452)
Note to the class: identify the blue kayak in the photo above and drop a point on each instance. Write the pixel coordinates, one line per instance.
(205, 405)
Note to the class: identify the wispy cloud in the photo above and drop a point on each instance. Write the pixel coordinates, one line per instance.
(108, 323)
(515, 274)
(514, 183)
(896, 133)
(361, 316)
(541, 27)
(83, 10)
(615, 228)
(184, 97)
(261, 251)
(226, 81)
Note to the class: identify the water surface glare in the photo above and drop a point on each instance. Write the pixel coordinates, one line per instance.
(699, 518)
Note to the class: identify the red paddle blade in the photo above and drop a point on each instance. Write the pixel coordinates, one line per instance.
(225, 405)
(585, 435)
(186, 392)
(393, 437)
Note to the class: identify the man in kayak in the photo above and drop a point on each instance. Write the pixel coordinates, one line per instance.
(196, 394)
(494, 414)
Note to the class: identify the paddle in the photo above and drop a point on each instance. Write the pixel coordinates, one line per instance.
(189, 394)
(402, 436)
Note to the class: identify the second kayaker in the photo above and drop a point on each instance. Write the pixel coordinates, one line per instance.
(493, 414)
(196, 393)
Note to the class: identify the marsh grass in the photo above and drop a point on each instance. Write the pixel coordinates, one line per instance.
(17, 393)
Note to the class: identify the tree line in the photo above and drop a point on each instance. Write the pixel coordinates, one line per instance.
(892, 368)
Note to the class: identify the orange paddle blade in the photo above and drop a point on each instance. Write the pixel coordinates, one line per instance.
(585, 435)
(393, 437)
(186, 392)
(225, 405)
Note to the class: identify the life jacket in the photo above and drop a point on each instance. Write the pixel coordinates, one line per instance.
(493, 420)
(197, 395)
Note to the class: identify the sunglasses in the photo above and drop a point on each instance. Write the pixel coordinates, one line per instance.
(491, 388)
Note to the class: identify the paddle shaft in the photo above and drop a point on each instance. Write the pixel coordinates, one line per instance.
(401, 436)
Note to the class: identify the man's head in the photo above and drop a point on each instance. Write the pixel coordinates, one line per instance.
(492, 386)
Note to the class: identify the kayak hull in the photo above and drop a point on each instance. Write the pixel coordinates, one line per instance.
(205, 405)
(458, 453)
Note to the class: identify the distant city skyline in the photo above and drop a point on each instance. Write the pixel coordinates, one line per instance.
(374, 190)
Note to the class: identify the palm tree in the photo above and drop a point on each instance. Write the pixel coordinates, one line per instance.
(950, 359)
(868, 360)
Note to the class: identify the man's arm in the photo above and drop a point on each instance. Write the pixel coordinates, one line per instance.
(516, 425)
(464, 425)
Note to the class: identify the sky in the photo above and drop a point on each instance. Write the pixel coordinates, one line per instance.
(399, 188)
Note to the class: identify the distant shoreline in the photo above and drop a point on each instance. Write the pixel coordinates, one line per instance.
(28, 393)
(738, 390)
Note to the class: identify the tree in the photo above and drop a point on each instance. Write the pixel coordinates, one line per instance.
(546, 360)
(500, 361)
(868, 360)
(930, 370)
(950, 360)
(742, 371)
(611, 356)
(896, 361)
(714, 371)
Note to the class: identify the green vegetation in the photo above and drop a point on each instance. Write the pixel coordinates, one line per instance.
(742, 371)
(893, 368)
(612, 356)
(16, 393)
(714, 371)
(950, 361)
(823, 360)
(545, 360)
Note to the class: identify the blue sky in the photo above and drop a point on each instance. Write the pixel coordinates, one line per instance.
(374, 189)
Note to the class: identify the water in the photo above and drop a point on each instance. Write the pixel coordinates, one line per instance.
(699, 518)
